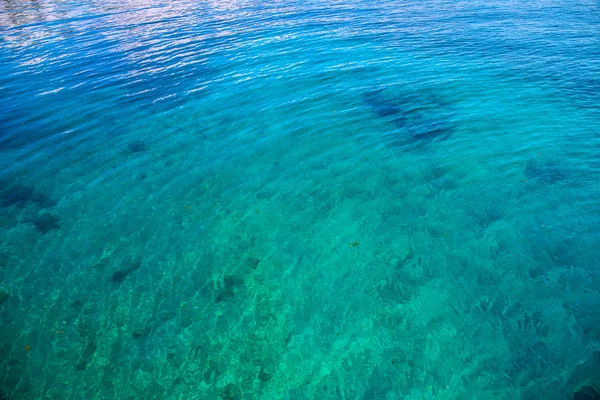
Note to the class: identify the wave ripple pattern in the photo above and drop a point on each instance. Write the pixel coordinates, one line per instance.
(345, 200)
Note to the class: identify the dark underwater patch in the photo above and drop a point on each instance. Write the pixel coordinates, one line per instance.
(128, 266)
(87, 355)
(231, 392)
(253, 262)
(586, 393)
(21, 195)
(4, 295)
(381, 106)
(226, 291)
(544, 171)
(137, 146)
(141, 333)
(46, 222)
(77, 305)
(18, 195)
(420, 117)
(584, 379)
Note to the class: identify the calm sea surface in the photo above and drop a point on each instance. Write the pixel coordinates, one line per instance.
(287, 200)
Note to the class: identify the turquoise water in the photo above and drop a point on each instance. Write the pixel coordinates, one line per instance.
(299, 200)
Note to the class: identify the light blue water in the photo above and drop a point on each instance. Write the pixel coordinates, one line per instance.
(299, 200)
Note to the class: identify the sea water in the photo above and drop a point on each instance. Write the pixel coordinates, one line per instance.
(299, 199)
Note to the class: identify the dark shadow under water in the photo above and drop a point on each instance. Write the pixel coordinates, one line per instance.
(419, 117)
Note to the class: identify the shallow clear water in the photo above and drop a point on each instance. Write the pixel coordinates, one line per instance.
(299, 200)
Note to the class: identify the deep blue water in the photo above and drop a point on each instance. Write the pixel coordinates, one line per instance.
(299, 200)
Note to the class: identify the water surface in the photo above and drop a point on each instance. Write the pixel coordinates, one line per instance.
(299, 200)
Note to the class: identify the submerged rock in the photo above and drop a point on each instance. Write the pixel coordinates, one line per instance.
(223, 295)
(43, 200)
(420, 117)
(265, 374)
(546, 172)
(381, 106)
(140, 333)
(233, 281)
(87, 355)
(20, 195)
(586, 393)
(130, 265)
(231, 392)
(46, 222)
(227, 291)
(137, 146)
(77, 304)
(253, 262)
(119, 276)
(4, 295)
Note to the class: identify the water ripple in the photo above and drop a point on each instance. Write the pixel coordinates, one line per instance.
(280, 199)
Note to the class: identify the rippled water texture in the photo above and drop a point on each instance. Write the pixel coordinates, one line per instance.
(299, 200)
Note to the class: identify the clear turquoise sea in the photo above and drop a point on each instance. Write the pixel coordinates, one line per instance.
(289, 200)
